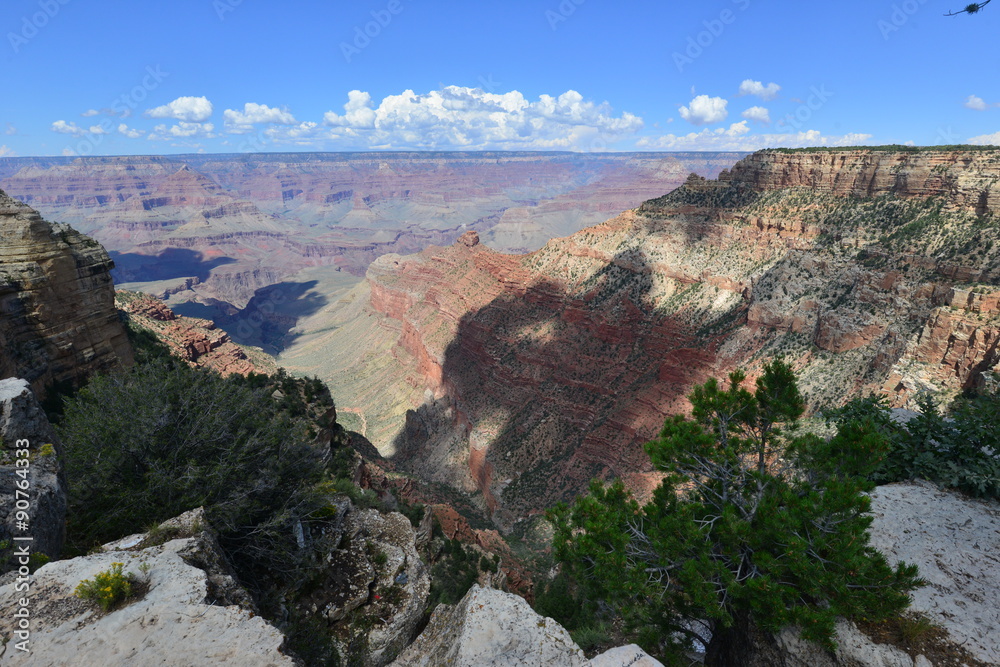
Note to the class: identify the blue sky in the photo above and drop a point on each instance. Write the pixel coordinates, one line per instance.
(109, 77)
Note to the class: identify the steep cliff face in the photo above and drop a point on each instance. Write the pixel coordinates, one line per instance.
(58, 321)
(967, 179)
(519, 378)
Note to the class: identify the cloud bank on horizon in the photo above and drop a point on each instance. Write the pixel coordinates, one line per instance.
(459, 118)
(735, 75)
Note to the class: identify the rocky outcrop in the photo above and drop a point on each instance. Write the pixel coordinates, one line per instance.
(957, 348)
(184, 614)
(31, 472)
(517, 379)
(624, 656)
(59, 323)
(195, 340)
(490, 628)
(854, 649)
(371, 590)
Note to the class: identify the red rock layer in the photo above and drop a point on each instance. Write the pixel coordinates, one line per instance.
(192, 339)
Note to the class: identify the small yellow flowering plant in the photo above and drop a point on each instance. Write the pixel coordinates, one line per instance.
(109, 588)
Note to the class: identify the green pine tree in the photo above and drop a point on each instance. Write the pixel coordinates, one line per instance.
(755, 527)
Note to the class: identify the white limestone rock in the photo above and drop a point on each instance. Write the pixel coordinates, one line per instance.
(491, 628)
(624, 656)
(955, 541)
(854, 649)
(22, 419)
(172, 624)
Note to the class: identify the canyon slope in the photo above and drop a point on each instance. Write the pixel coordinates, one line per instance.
(211, 230)
(516, 379)
(58, 322)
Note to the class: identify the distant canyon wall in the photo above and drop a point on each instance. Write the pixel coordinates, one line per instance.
(219, 227)
(519, 378)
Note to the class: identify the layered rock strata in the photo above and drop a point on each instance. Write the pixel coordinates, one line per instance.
(223, 226)
(518, 378)
(195, 340)
(58, 322)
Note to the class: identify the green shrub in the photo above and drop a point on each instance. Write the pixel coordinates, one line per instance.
(109, 588)
(453, 575)
(148, 444)
(589, 637)
(559, 599)
(959, 451)
(755, 526)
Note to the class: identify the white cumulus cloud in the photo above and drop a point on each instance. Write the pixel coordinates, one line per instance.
(183, 130)
(975, 102)
(6, 151)
(188, 109)
(737, 137)
(751, 87)
(704, 110)
(470, 118)
(241, 122)
(90, 112)
(986, 139)
(62, 127)
(759, 114)
(129, 132)
(358, 112)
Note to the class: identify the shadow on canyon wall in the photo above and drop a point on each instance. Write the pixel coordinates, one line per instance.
(549, 389)
(169, 264)
(269, 317)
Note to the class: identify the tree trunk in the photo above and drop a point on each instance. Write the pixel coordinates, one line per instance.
(732, 646)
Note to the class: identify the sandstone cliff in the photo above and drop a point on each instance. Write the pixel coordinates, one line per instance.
(518, 378)
(58, 321)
